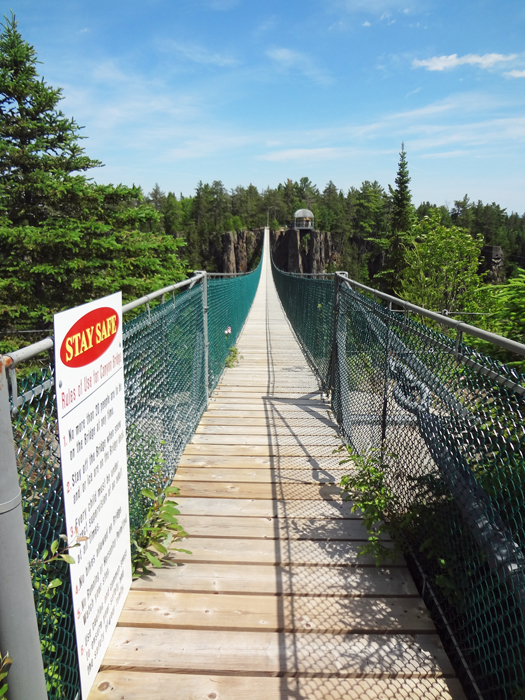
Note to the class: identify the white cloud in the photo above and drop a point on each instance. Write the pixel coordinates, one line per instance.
(267, 25)
(200, 54)
(366, 24)
(439, 130)
(439, 63)
(387, 17)
(516, 74)
(287, 60)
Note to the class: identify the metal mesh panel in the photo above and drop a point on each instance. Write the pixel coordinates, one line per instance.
(229, 300)
(309, 305)
(164, 371)
(35, 431)
(165, 387)
(458, 482)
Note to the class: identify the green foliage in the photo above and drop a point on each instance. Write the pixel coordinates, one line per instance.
(368, 488)
(151, 542)
(64, 240)
(508, 318)
(401, 221)
(39, 147)
(402, 214)
(5, 663)
(441, 267)
(305, 240)
(47, 573)
(233, 357)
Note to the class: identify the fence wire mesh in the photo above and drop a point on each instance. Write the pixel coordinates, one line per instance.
(309, 304)
(35, 431)
(165, 389)
(457, 480)
(229, 300)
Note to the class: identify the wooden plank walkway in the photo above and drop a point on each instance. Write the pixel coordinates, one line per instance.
(272, 603)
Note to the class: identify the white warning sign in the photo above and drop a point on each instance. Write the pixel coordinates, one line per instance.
(92, 428)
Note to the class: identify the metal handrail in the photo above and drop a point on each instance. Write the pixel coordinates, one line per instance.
(459, 326)
(161, 292)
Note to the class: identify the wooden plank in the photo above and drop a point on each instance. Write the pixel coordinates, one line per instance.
(264, 653)
(275, 463)
(273, 386)
(273, 528)
(270, 430)
(276, 398)
(317, 581)
(271, 552)
(238, 411)
(262, 372)
(260, 450)
(259, 476)
(216, 418)
(270, 508)
(132, 685)
(283, 492)
(271, 401)
(290, 439)
(264, 409)
(167, 610)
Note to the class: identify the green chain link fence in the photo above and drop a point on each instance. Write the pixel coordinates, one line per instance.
(309, 304)
(454, 420)
(35, 430)
(229, 300)
(166, 394)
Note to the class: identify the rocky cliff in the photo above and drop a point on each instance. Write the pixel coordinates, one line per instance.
(304, 250)
(240, 250)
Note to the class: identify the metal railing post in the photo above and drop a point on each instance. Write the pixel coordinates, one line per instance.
(18, 625)
(333, 357)
(206, 342)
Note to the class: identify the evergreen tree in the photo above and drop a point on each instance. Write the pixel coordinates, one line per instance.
(401, 220)
(402, 213)
(63, 239)
(157, 197)
(171, 215)
(39, 146)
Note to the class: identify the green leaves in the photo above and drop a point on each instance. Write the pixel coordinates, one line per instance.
(160, 527)
(233, 357)
(442, 267)
(64, 240)
(368, 488)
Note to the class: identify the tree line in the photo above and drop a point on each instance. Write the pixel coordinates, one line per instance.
(362, 219)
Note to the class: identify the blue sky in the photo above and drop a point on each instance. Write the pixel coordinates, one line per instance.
(246, 91)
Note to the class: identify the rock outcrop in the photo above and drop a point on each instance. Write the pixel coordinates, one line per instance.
(240, 250)
(304, 250)
(492, 262)
(229, 241)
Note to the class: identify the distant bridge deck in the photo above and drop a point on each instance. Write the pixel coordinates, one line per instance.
(272, 603)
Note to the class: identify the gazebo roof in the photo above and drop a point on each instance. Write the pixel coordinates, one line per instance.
(303, 214)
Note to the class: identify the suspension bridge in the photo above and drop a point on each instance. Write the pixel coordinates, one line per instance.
(272, 602)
